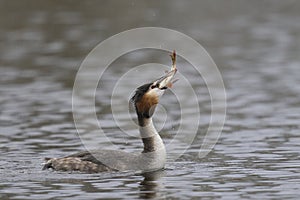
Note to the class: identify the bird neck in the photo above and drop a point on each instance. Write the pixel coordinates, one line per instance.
(151, 139)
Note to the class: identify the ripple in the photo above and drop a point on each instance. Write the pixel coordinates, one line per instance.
(257, 50)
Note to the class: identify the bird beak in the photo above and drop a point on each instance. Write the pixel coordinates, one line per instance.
(167, 80)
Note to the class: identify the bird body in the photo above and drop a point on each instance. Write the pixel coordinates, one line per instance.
(153, 156)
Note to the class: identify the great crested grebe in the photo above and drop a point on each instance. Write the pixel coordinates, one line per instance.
(152, 158)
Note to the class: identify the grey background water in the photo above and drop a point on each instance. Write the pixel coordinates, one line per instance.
(256, 45)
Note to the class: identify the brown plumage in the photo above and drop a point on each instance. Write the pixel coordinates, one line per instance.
(74, 164)
(147, 103)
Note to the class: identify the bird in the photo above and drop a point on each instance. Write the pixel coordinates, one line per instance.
(153, 156)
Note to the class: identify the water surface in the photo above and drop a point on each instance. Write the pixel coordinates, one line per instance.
(256, 46)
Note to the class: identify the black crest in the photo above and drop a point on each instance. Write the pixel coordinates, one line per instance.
(140, 91)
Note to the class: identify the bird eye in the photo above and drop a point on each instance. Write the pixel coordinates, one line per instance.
(154, 86)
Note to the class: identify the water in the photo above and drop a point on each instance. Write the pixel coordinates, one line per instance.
(256, 47)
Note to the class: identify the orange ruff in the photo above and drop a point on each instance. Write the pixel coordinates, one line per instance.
(147, 101)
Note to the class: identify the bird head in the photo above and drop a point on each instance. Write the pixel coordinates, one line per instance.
(147, 96)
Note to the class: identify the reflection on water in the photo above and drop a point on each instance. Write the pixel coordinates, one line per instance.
(256, 46)
(152, 185)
